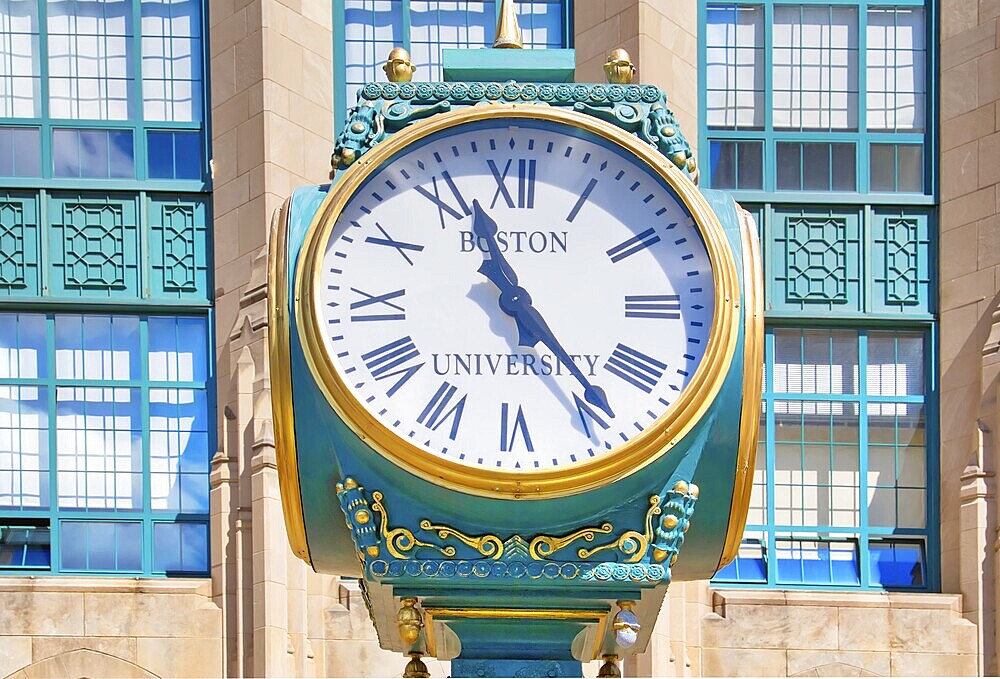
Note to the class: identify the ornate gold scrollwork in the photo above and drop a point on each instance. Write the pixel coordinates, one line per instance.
(400, 540)
(632, 544)
(545, 546)
(488, 545)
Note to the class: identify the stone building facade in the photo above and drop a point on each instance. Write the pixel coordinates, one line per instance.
(262, 612)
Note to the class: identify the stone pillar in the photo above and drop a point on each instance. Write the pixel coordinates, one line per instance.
(662, 38)
(969, 249)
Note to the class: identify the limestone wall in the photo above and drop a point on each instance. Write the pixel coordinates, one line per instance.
(731, 633)
(108, 627)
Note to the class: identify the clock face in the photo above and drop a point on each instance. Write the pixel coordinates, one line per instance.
(514, 295)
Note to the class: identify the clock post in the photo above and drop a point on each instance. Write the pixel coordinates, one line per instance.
(516, 361)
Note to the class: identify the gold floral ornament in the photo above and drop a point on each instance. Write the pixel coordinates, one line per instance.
(398, 67)
(619, 68)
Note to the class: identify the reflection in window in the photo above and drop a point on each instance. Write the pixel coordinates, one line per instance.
(895, 76)
(93, 154)
(20, 152)
(20, 80)
(173, 155)
(840, 489)
(171, 60)
(124, 400)
(24, 546)
(815, 67)
(89, 51)
(180, 547)
(734, 62)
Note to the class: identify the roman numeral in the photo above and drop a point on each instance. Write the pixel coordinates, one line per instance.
(398, 245)
(652, 306)
(436, 413)
(525, 183)
(633, 245)
(390, 360)
(441, 204)
(384, 305)
(583, 199)
(588, 415)
(509, 430)
(635, 367)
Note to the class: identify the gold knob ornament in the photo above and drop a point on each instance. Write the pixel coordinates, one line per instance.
(398, 67)
(508, 30)
(619, 68)
(409, 621)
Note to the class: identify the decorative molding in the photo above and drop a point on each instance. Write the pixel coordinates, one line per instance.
(640, 554)
(385, 108)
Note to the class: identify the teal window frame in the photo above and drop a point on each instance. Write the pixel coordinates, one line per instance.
(343, 100)
(54, 517)
(862, 138)
(135, 124)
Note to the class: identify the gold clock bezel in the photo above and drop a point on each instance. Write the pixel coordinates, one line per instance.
(617, 463)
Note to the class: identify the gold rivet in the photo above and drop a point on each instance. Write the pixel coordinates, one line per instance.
(667, 131)
(692, 164)
(679, 158)
(669, 521)
(681, 487)
(372, 550)
(673, 560)
(349, 483)
(358, 128)
(362, 516)
(347, 156)
(659, 554)
(693, 490)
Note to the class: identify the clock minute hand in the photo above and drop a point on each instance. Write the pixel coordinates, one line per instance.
(528, 315)
(516, 303)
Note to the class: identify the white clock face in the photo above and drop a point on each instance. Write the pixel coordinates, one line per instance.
(516, 295)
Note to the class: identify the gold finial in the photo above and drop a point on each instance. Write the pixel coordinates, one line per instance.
(416, 667)
(409, 621)
(619, 68)
(508, 30)
(610, 667)
(398, 67)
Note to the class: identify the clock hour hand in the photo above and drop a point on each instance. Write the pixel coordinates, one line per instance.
(499, 271)
(516, 303)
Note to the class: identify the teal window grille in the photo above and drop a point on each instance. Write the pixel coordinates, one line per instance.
(84, 82)
(105, 442)
(369, 29)
(815, 98)
(842, 490)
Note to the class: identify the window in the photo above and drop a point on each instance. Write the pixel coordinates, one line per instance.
(840, 494)
(817, 97)
(105, 411)
(80, 89)
(105, 440)
(371, 28)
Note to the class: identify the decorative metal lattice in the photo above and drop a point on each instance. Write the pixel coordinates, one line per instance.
(177, 235)
(95, 246)
(12, 253)
(902, 262)
(816, 259)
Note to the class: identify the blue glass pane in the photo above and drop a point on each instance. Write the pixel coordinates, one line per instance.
(101, 551)
(178, 349)
(789, 165)
(22, 346)
(160, 151)
(121, 155)
(73, 545)
(910, 167)
(24, 547)
(24, 447)
(129, 546)
(810, 562)
(6, 152)
(194, 493)
(194, 547)
(187, 150)
(94, 153)
(897, 564)
(750, 165)
(27, 152)
(166, 547)
(883, 167)
(723, 159)
(66, 153)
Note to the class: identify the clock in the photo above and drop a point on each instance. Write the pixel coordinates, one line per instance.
(516, 301)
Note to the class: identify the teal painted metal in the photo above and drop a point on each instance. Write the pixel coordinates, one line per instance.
(386, 108)
(524, 65)
(105, 248)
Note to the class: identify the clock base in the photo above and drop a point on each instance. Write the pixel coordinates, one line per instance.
(494, 667)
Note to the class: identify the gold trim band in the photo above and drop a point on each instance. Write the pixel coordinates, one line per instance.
(279, 355)
(626, 459)
(753, 372)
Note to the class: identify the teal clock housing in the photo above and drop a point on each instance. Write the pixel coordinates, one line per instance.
(498, 576)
